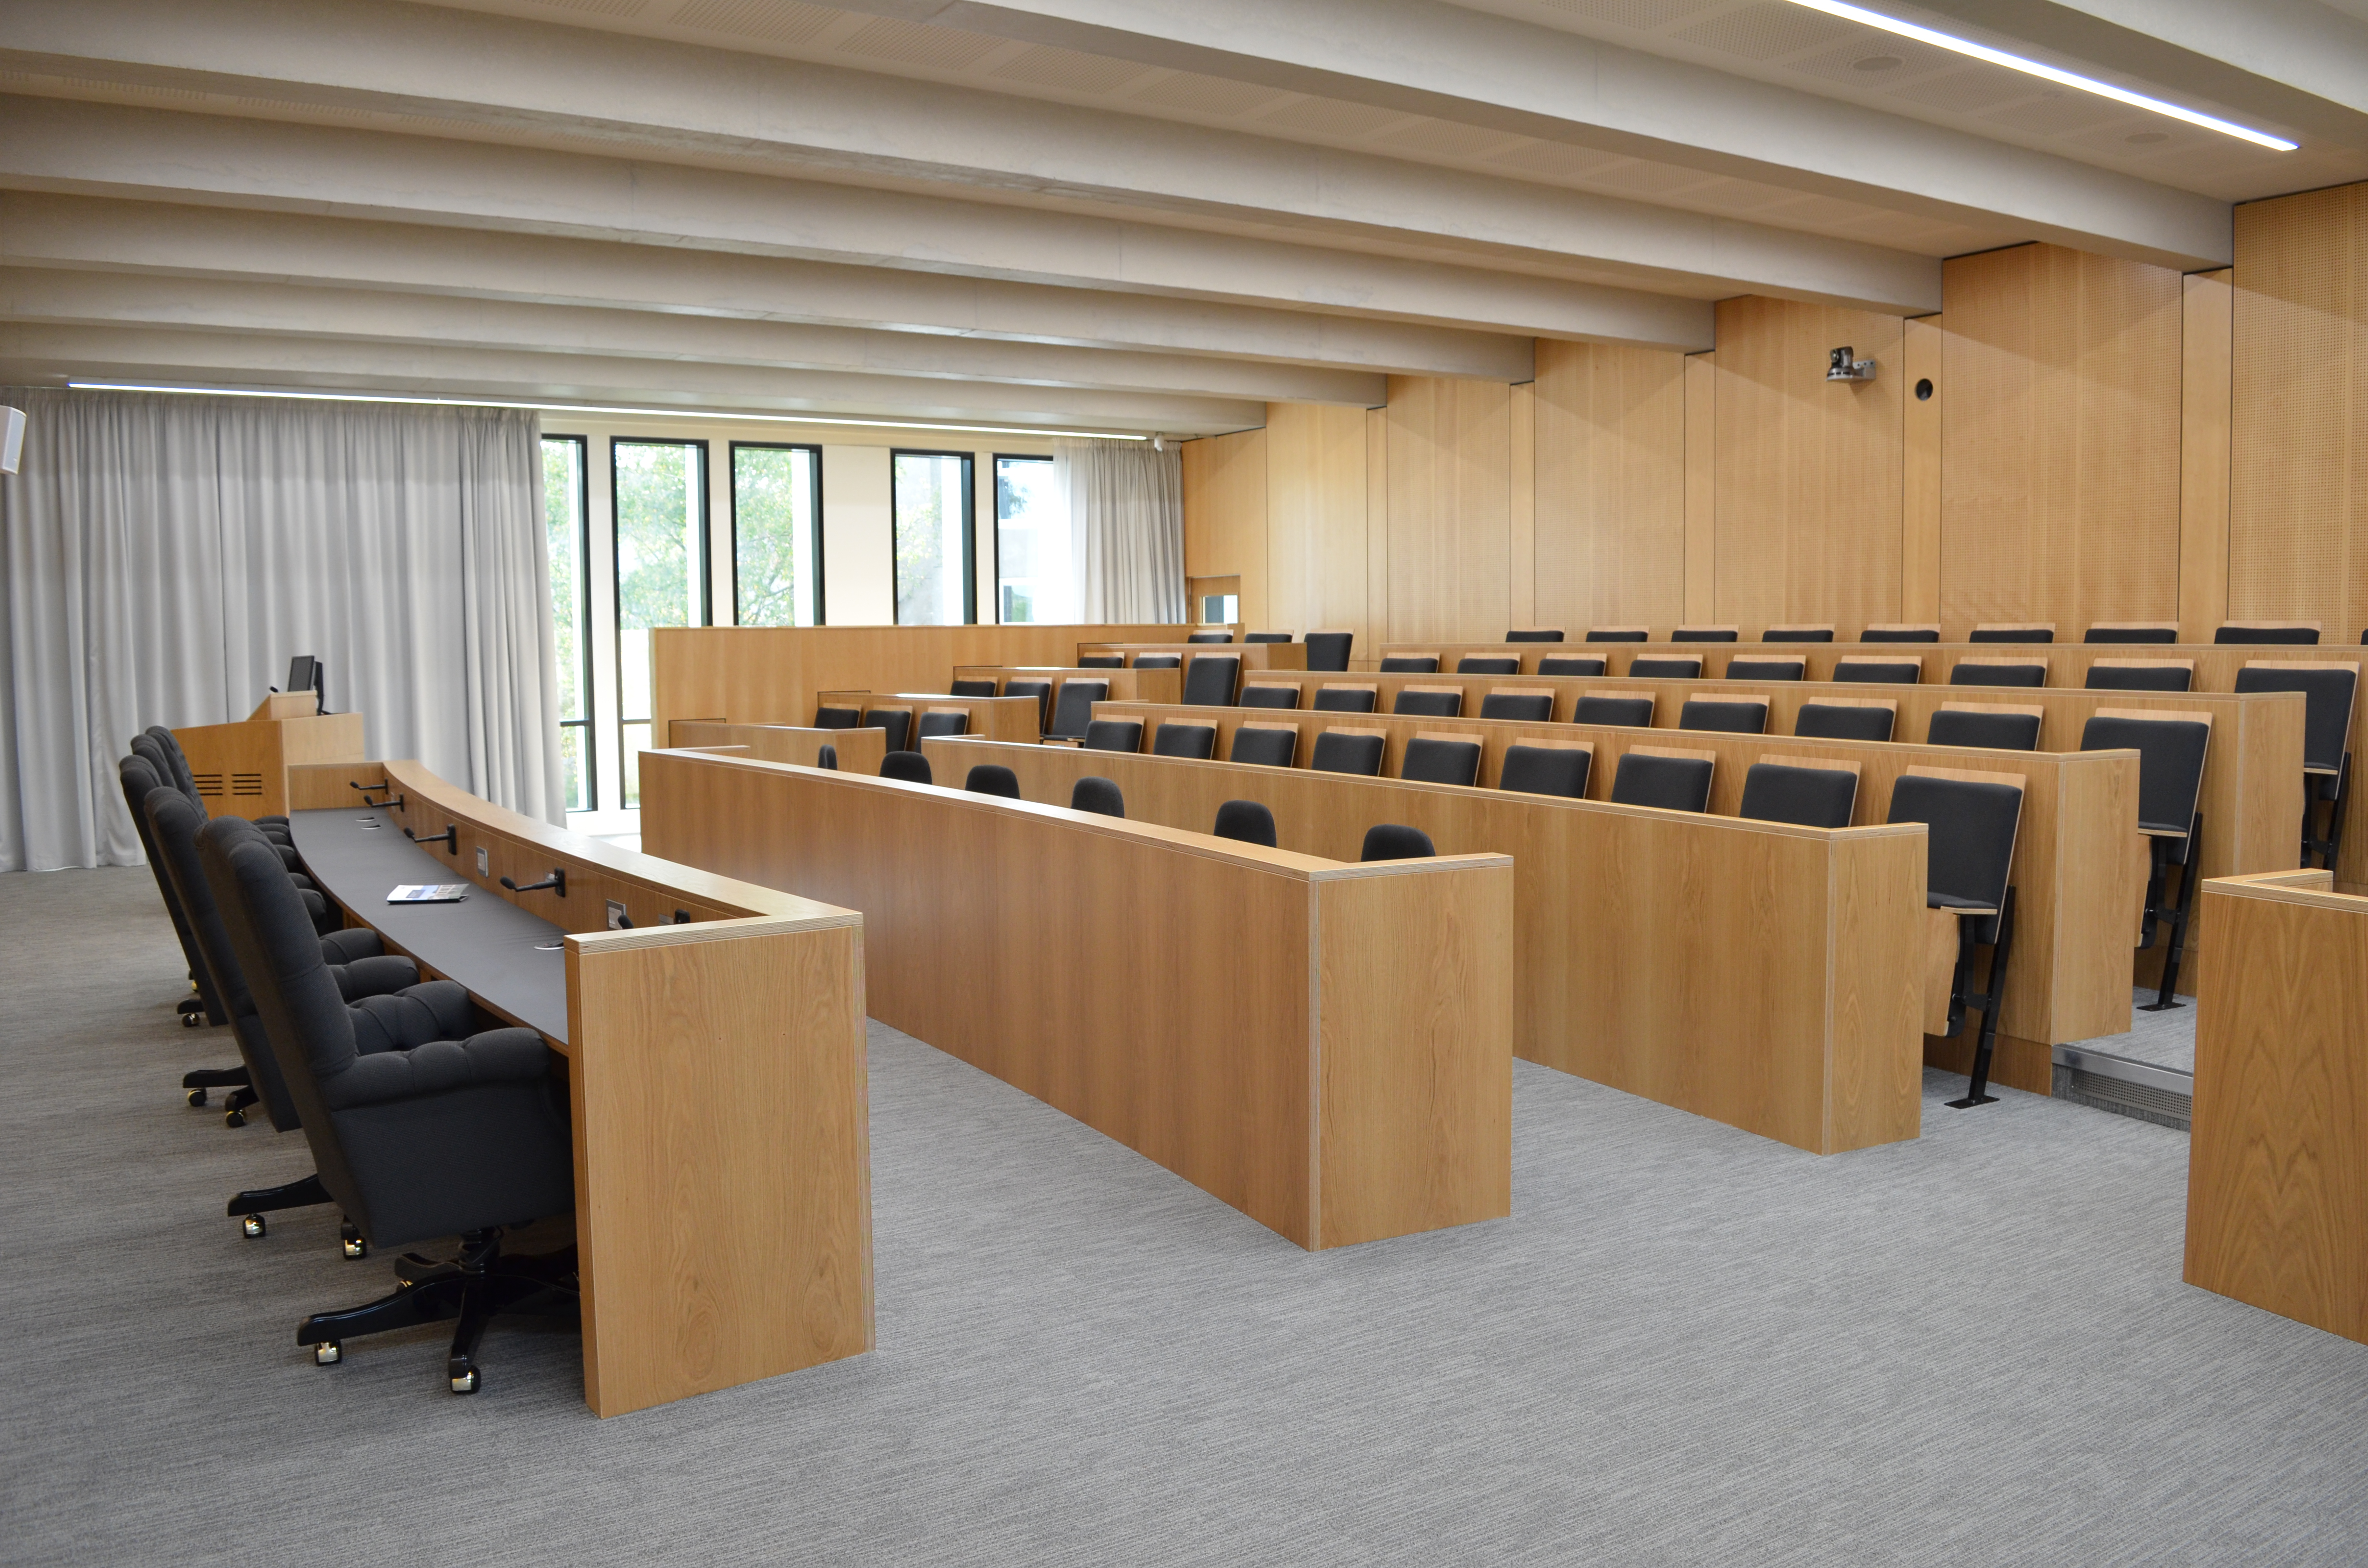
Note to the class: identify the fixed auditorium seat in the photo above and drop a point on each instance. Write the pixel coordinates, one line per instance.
(2107, 631)
(1619, 634)
(1569, 665)
(1267, 695)
(1211, 680)
(2141, 675)
(1822, 633)
(1845, 720)
(1487, 664)
(1210, 637)
(992, 778)
(1734, 716)
(1265, 637)
(1535, 767)
(1990, 727)
(1428, 701)
(1395, 841)
(1799, 793)
(831, 716)
(1664, 666)
(1879, 672)
(2171, 748)
(1245, 822)
(2327, 690)
(1524, 707)
(1969, 857)
(907, 766)
(944, 722)
(1997, 672)
(2267, 633)
(1673, 781)
(896, 721)
(1343, 699)
(1076, 709)
(1441, 759)
(2014, 631)
(1899, 631)
(1041, 690)
(1327, 652)
(1114, 734)
(1174, 738)
(1410, 664)
(1159, 661)
(1744, 668)
(1534, 634)
(970, 688)
(1705, 634)
(1268, 745)
(1629, 712)
(1348, 751)
(1098, 795)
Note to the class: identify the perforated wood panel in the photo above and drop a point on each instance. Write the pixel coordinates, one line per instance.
(1611, 485)
(1224, 514)
(1449, 507)
(1317, 524)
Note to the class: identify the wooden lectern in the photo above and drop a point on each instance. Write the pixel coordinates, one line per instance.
(242, 770)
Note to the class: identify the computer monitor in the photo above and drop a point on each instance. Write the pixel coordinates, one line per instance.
(305, 674)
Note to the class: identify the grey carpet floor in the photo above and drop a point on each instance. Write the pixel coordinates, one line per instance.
(2166, 1039)
(1688, 1345)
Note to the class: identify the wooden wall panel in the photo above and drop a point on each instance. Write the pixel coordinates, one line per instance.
(1224, 514)
(2298, 479)
(1522, 524)
(1702, 488)
(1920, 477)
(2208, 306)
(2059, 447)
(1449, 507)
(1809, 470)
(1612, 445)
(1377, 526)
(1315, 519)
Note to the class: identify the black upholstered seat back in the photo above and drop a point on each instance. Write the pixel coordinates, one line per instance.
(1210, 637)
(1245, 822)
(829, 716)
(1102, 661)
(1488, 664)
(1174, 739)
(2326, 716)
(992, 778)
(1966, 674)
(1041, 690)
(1704, 635)
(1673, 783)
(2102, 634)
(1842, 722)
(145, 747)
(1211, 680)
(1797, 634)
(2266, 636)
(2103, 676)
(1618, 634)
(1992, 731)
(1534, 634)
(896, 721)
(177, 761)
(1265, 637)
(827, 757)
(1269, 696)
(1900, 634)
(1114, 734)
(2171, 764)
(1428, 704)
(1329, 650)
(1812, 797)
(1075, 710)
(1743, 668)
(1635, 712)
(1339, 751)
(1970, 850)
(1545, 770)
(2011, 634)
(1269, 745)
(1395, 841)
(1879, 672)
(1098, 795)
(138, 778)
(1665, 666)
(1343, 700)
(971, 688)
(1159, 661)
(1742, 717)
(1528, 707)
(1569, 665)
(1410, 664)
(943, 723)
(1431, 760)
(906, 767)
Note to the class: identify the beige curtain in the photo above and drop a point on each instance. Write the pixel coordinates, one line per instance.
(1126, 529)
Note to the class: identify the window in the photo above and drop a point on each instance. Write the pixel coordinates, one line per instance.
(929, 509)
(776, 535)
(1032, 582)
(662, 579)
(1220, 609)
(566, 519)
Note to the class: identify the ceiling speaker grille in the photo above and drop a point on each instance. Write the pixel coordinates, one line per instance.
(1772, 31)
(1070, 71)
(775, 21)
(1843, 64)
(910, 43)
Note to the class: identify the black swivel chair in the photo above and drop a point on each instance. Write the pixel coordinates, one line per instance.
(1337, 751)
(1344, 700)
(1619, 633)
(971, 688)
(1534, 634)
(939, 721)
(456, 1129)
(1879, 672)
(1569, 665)
(1100, 796)
(1990, 730)
(1410, 664)
(2010, 633)
(138, 780)
(992, 778)
(828, 716)
(1742, 668)
(1114, 734)
(1265, 637)
(1668, 666)
(1210, 680)
(2265, 634)
(908, 767)
(1041, 690)
(1843, 721)
(1429, 702)
(1210, 637)
(1075, 710)
(1269, 745)
(1810, 796)
(2001, 673)
(1672, 783)
(1174, 739)
(1395, 841)
(2137, 674)
(1897, 634)
(1534, 769)
(1741, 716)
(1630, 712)
(1433, 760)
(1704, 635)
(1487, 664)
(2326, 743)
(1245, 822)
(1328, 651)
(2130, 631)
(1969, 854)
(896, 721)
(1269, 696)
(1526, 707)
(2170, 785)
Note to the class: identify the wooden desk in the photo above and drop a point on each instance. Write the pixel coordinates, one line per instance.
(1127, 685)
(715, 1072)
(1253, 655)
(1764, 975)
(859, 750)
(1326, 1046)
(996, 718)
(242, 768)
(2277, 1181)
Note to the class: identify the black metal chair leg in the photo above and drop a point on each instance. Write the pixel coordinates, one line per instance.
(196, 1083)
(2166, 997)
(1986, 1043)
(248, 1208)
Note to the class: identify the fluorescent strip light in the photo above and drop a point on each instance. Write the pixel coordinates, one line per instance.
(2047, 72)
(598, 408)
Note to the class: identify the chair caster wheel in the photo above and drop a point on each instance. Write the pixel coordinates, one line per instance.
(191, 1020)
(233, 1119)
(197, 1097)
(350, 1239)
(463, 1377)
(250, 1227)
(329, 1353)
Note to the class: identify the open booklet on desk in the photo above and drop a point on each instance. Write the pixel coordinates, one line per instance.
(428, 892)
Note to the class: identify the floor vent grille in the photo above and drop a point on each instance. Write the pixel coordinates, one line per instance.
(2164, 1108)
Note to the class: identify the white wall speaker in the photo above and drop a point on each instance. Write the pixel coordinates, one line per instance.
(12, 439)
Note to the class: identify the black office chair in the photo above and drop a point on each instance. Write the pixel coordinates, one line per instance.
(138, 780)
(1076, 710)
(1114, 734)
(1900, 634)
(1267, 637)
(941, 722)
(971, 688)
(1395, 841)
(1041, 690)
(2012, 635)
(1741, 668)
(2264, 634)
(1569, 665)
(829, 716)
(827, 757)
(1964, 674)
(1159, 661)
(896, 722)
(2121, 632)
(1269, 745)
(457, 1130)
(1102, 661)
(2326, 745)
(1211, 680)
(1427, 702)
(1842, 722)
(1797, 634)
(1172, 739)
(1410, 664)
(1703, 634)
(1990, 731)
(1100, 796)
(1619, 633)
(1343, 700)
(1630, 712)
(1328, 651)
(2170, 785)
(2122, 675)
(1534, 634)
(991, 779)
(1524, 707)
(1210, 637)
(1337, 752)
(1431, 760)
(1969, 852)
(907, 766)
(1671, 667)
(1245, 822)
(1486, 664)
(1879, 672)
(1810, 796)
(1268, 696)
(1545, 770)
(1742, 716)
(1672, 783)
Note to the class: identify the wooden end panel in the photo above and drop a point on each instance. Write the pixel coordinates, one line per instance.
(2100, 873)
(1875, 1087)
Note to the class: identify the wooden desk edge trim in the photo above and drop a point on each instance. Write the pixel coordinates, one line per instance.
(707, 931)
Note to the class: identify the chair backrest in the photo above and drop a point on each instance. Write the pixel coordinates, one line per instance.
(2131, 631)
(1410, 664)
(1677, 781)
(1734, 716)
(137, 777)
(1267, 637)
(1798, 634)
(1258, 695)
(992, 779)
(1999, 727)
(1328, 651)
(971, 688)
(2262, 634)
(1076, 709)
(896, 721)
(1740, 668)
(1348, 751)
(177, 762)
(1041, 690)
(1441, 759)
(148, 750)
(1395, 841)
(1114, 734)
(1338, 698)
(827, 757)
(1899, 631)
(1159, 661)
(1569, 665)
(2014, 631)
(1428, 701)
(944, 722)
(1879, 672)
(1488, 664)
(1101, 796)
(1996, 672)
(1245, 822)
(1844, 720)
(910, 766)
(1102, 661)
(1540, 767)
(1705, 634)
(1811, 795)
(1210, 680)
(1534, 634)
(1969, 847)
(1664, 666)
(1619, 633)
(1269, 745)
(1632, 712)
(1210, 637)
(2170, 747)
(1529, 707)
(2141, 675)
(1174, 739)
(2327, 691)
(828, 716)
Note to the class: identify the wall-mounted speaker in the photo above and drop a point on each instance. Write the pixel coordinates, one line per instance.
(12, 439)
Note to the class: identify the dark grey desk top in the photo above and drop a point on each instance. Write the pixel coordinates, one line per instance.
(485, 942)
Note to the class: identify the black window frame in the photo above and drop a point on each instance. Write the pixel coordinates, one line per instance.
(732, 481)
(970, 531)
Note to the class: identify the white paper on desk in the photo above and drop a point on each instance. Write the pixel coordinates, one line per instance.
(430, 892)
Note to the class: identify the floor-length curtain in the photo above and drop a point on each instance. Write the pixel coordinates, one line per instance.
(163, 557)
(1126, 529)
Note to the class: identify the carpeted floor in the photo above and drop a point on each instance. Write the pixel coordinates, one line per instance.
(2166, 1039)
(1688, 1345)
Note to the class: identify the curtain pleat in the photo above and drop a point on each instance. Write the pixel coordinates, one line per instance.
(1126, 529)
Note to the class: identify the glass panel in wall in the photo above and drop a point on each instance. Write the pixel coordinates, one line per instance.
(1033, 585)
(661, 492)
(567, 522)
(776, 535)
(930, 509)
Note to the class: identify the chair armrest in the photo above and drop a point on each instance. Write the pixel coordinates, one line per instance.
(378, 975)
(349, 943)
(496, 1056)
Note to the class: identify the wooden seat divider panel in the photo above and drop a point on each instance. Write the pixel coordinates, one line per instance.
(1125, 686)
(1254, 656)
(997, 718)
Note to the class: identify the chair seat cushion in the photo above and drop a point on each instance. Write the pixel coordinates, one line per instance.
(1951, 901)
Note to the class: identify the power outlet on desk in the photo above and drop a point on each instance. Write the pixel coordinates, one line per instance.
(484, 865)
(616, 915)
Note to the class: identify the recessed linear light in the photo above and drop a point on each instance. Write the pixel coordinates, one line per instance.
(2047, 72)
(597, 408)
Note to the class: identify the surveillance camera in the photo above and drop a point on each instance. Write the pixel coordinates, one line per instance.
(1840, 366)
